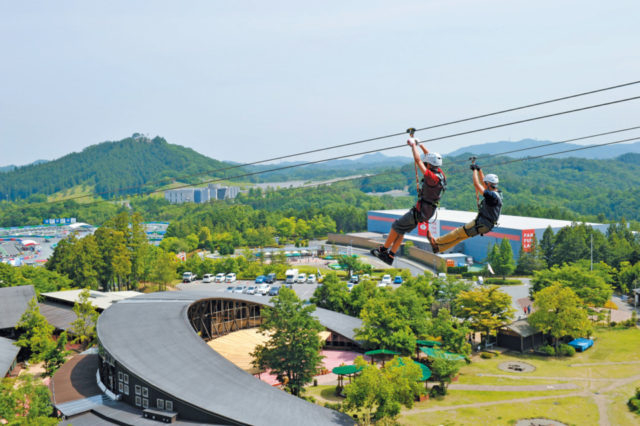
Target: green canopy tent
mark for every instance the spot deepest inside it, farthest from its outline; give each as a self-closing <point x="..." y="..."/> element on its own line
<point x="345" y="370"/>
<point x="426" y="371"/>
<point x="428" y="343"/>
<point x="439" y="353"/>
<point x="382" y="354"/>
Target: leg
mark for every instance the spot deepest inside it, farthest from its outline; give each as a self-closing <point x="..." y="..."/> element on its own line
<point x="456" y="236"/>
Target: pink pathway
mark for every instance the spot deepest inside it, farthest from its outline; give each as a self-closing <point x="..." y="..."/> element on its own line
<point x="331" y="359"/>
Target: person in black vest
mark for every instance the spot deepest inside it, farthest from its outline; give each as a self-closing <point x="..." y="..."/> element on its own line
<point x="433" y="184"/>
<point x="488" y="212"/>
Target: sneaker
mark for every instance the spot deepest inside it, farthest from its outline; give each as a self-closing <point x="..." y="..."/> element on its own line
<point x="388" y="258"/>
<point x="379" y="252"/>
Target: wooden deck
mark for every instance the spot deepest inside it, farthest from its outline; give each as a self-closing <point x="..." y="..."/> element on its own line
<point x="76" y="379"/>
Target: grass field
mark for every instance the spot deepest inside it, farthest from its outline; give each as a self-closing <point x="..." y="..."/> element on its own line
<point x="605" y="377"/>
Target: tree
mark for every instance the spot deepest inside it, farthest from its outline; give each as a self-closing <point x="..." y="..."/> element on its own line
<point x="25" y="402"/>
<point x="501" y="258"/>
<point x="56" y="355"/>
<point x="352" y="264"/>
<point x="547" y="245"/>
<point x="35" y="331"/>
<point x="292" y="352"/>
<point x="84" y="326"/>
<point x="386" y="390"/>
<point x="559" y="312"/>
<point x="530" y="261"/>
<point x="445" y="369"/>
<point x="486" y="308"/>
<point x="164" y="271"/>
<point x="451" y="331"/>
<point x="589" y="285"/>
<point x="332" y="295"/>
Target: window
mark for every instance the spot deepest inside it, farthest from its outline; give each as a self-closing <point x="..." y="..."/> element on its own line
<point x="138" y="401"/>
<point x="145" y="392"/>
<point x="160" y="404"/>
<point x="120" y="375"/>
<point x="168" y="405"/>
<point x="145" y="403"/>
<point x="126" y="378"/>
<point x="120" y="387"/>
<point x="126" y="389"/>
<point x="138" y="390"/>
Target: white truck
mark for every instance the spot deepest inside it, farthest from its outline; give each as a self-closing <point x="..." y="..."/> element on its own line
<point x="292" y="276"/>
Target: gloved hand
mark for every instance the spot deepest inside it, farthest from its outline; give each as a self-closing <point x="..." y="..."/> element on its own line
<point x="474" y="167"/>
<point x="413" y="141"/>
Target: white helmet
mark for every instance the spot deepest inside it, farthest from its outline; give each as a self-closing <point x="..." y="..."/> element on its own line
<point x="432" y="158"/>
<point x="491" y="178"/>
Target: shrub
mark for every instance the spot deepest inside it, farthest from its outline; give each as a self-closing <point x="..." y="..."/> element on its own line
<point x="485" y="355"/>
<point x="457" y="269"/>
<point x="333" y="406"/>
<point x="566" y="350"/>
<point x="547" y="350"/>
<point x="500" y="281"/>
<point x="613" y="324"/>
<point x="634" y="402"/>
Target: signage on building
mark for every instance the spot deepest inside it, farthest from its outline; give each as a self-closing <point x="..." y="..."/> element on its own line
<point x="434" y="228"/>
<point x="527" y="239"/>
<point x="59" y="221"/>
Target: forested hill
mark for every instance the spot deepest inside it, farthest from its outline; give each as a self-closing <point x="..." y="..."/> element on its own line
<point x="128" y="166"/>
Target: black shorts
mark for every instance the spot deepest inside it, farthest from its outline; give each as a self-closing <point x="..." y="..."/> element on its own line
<point x="409" y="221"/>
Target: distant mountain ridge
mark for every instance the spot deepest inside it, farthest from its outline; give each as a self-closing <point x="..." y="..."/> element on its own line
<point x="609" y="151"/>
<point x="12" y="167"/>
<point x="128" y="166"/>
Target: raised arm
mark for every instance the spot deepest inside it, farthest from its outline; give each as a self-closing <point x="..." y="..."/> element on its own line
<point x="477" y="181"/>
<point x="416" y="155"/>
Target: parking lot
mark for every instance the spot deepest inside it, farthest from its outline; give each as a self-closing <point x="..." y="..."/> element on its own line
<point x="304" y="291"/>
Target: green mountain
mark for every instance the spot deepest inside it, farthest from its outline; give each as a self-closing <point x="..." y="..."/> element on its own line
<point x="132" y="165"/>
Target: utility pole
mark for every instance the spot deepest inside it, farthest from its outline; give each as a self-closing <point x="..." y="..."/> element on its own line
<point x="592" y="251"/>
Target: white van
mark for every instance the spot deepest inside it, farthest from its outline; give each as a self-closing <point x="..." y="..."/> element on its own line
<point x="302" y="278"/>
<point x="231" y="277"/>
<point x="219" y="278"/>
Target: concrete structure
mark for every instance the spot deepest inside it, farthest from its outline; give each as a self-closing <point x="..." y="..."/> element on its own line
<point x="152" y="355"/>
<point x="201" y="195"/>
<point x="519" y="230"/>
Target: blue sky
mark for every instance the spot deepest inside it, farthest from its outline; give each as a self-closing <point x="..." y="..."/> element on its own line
<point x="250" y="80"/>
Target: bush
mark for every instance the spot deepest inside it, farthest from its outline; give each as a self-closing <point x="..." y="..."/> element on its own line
<point x="500" y="281"/>
<point x="566" y="350"/>
<point x="547" y="350"/>
<point x="613" y="324"/>
<point x="333" y="406"/>
<point x="436" y="391"/>
<point x="457" y="269"/>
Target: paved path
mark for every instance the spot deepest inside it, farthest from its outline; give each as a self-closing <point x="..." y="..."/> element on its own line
<point x="508" y="388"/>
<point x="591" y="364"/>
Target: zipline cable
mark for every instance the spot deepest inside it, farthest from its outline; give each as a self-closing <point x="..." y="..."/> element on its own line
<point x="511" y="123"/>
<point x="448" y="123"/>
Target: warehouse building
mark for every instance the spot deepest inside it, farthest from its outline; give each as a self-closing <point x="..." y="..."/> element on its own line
<point x="519" y="230"/>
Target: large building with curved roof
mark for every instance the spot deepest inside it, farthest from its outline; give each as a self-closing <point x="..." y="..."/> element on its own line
<point x="153" y="355"/>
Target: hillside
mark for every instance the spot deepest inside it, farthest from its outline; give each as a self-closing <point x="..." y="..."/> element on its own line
<point x="12" y="167"/>
<point x="128" y="166"/>
<point x="611" y="151"/>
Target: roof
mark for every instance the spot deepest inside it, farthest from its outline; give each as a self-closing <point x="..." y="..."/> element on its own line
<point x="58" y="315"/>
<point x="522" y="328"/>
<point x="429" y="343"/>
<point x="8" y="354"/>
<point x="9" y="249"/>
<point x="14" y="301"/>
<point x="381" y="352"/>
<point x="165" y="351"/>
<point x="101" y="300"/>
<point x="506" y="221"/>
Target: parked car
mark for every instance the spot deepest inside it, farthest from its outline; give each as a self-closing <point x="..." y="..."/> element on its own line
<point x="219" y="278"/>
<point x="251" y="290"/>
<point x="382" y="284"/>
<point x="442" y="276"/>
<point x="302" y="278"/>
<point x="230" y="278"/>
<point x="274" y="291"/>
<point x="311" y="279"/>
<point x="260" y="279"/>
<point x="229" y="289"/>
<point x="398" y="280"/>
<point x="350" y="286"/>
<point x="208" y="278"/>
<point x="239" y="289"/>
<point x="354" y="279"/>
<point x="386" y="279"/>
<point x="263" y="289"/>
<point x="188" y="277"/>
<point x="270" y="278"/>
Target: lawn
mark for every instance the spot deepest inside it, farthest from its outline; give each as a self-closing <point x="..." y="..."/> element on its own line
<point x="569" y="410"/>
